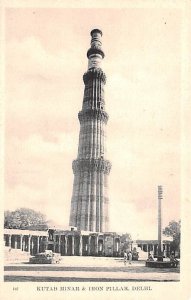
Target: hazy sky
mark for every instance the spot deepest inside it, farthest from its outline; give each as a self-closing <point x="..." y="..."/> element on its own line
<point x="45" y="61"/>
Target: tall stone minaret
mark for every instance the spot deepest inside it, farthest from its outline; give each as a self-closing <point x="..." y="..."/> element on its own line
<point x="90" y="202"/>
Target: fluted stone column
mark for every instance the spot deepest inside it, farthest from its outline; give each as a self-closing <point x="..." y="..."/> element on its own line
<point x="59" y="244"/>
<point x="24" y="243"/>
<point x="32" y="245"/>
<point x="9" y="241"/>
<point x="72" y="245"/>
<point x="80" y="246"/>
<point x="21" y="242"/>
<point x="66" y="245"/>
<point x="89" y="203"/>
<point x="96" y="244"/>
<point x="16" y="241"/>
<point x="104" y="244"/>
<point x="89" y="245"/>
<point x="38" y="243"/>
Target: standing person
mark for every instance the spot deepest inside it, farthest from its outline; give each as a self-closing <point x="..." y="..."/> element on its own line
<point x="150" y="257"/>
<point x="125" y="258"/>
<point x="130" y="256"/>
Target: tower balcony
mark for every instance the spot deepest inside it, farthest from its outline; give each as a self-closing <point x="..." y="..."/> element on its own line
<point x="93" y="165"/>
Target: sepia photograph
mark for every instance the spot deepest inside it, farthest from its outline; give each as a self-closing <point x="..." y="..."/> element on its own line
<point x="92" y="148"/>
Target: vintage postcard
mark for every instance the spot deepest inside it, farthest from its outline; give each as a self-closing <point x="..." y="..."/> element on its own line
<point x="95" y="149"/>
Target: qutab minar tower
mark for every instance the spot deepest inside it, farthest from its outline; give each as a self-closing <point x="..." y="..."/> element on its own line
<point x="90" y="202"/>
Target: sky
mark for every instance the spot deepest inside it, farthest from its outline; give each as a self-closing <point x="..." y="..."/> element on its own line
<point x="45" y="59"/>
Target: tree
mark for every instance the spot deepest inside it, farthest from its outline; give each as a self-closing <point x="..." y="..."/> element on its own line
<point x="25" y="218"/>
<point x="174" y="230"/>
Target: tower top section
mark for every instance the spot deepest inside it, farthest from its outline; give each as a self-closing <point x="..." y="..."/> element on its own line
<point x="95" y="54"/>
<point x="94" y="31"/>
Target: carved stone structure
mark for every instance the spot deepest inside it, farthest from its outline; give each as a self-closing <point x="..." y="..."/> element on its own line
<point x="29" y="241"/>
<point x="89" y="204"/>
<point x="73" y="242"/>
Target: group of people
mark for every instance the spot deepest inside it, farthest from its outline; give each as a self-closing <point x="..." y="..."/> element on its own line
<point x="128" y="256"/>
<point x="150" y="257"/>
<point x="172" y="257"/>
